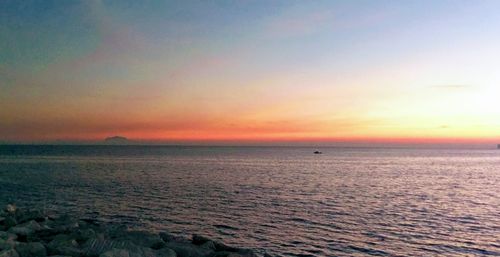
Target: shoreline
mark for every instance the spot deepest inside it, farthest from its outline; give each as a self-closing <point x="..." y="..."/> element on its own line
<point x="34" y="233"/>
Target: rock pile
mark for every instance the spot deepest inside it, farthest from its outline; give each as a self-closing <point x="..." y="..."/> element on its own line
<point x="30" y="233"/>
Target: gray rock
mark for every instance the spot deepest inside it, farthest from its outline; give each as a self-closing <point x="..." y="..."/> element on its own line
<point x="31" y="250"/>
<point x="9" y="253"/>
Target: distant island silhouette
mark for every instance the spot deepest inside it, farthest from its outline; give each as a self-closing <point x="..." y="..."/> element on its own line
<point x="117" y="140"/>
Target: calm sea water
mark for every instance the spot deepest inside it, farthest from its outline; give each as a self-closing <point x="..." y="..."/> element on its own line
<point x="345" y="202"/>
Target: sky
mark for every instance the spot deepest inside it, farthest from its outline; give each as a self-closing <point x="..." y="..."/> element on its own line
<point x="250" y="71"/>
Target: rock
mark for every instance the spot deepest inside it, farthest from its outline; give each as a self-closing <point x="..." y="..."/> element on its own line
<point x="6" y="245"/>
<point x="11" y="209"/>
<point x="9" y="222"/>
<point x="23" y="216"/>
<point x="63" y="224"/>
<point x="26" y="229"/>
<point x="31" y="250"/>
<point x="64" y="245"/>
<point x="9" y="253"/>
<point x="83" y="235"/>
<point x="144" y="239"/>
<point x="166" y="252"/>
<point x="115" y="253"/>
<point x="188" y="249"/>
<point x="7" y="236"/>
<point x="199" y="239"/>
<point x="115" y="231"/>
<point x="99" y="245"/>
<point x="207" y="242"/>
<point x="167" y="237"/>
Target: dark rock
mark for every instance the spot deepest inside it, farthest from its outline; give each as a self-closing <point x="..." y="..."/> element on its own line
<point x="218" y="246"/>
<point x="35" y="215"/>
<point x="166" y="252"/>
<point x="26" y="229"/>
<point x="63" y="224"/>
<point x="188" y="249"/>
<point x="9" y="253"/>
<point x="9" y="222"/>
<point x="7" y="244"/>
<point x="209" y="245"/>
<point x="116" y="231"/>
<point x="31" y="250"/>
<point x="144" y="239"/>
<point x="7" y="236"/>
<point x="115" y="253"/>
<point x="83" y="235"/>
<point x="169" y="237"/>
<point x="99" y="245"/>
<point x="64" y="245"/>
<point x="199" y="239"/>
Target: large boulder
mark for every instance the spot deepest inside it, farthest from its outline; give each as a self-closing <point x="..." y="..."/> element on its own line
<point x="31" y="250"/>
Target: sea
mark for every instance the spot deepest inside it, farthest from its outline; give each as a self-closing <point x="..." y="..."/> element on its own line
<point x="284" y="200"/>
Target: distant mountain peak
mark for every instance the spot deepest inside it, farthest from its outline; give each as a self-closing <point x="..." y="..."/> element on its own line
<point x="116" y="140"/>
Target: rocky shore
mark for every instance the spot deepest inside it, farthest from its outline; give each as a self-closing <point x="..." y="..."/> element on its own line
<point x="30" y="233"/>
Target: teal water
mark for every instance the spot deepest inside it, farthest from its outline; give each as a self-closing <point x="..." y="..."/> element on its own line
<point x="344" y="202"/>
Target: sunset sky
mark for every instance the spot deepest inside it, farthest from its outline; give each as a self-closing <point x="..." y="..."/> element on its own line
<point x="339" y="71"/>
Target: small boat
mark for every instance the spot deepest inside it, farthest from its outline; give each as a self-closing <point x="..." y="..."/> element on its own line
<point x="317" y="152"/>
